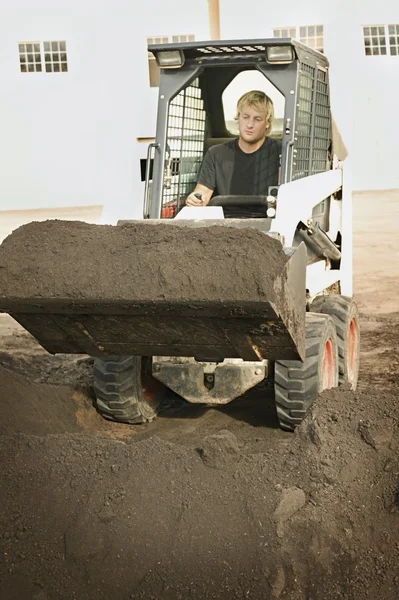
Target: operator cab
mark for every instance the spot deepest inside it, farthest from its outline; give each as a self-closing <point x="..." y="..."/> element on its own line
<point x="199" y="88"/>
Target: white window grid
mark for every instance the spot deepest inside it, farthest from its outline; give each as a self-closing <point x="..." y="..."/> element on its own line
<point x="375" y="40"/>
<point x="393" y="32"/>
<point x="180" y="39"/>
<point x="381" y="40"/>
<point x="168" y="39"/>
<point x="38" y="57"/>
<point x="30" y="58"/>
<point x="311" y="35"/>
<point x="55" y="57"/>
<point x="284" y="32"/>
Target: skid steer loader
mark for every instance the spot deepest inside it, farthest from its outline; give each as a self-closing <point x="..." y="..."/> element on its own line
<point x="211" y="350"/>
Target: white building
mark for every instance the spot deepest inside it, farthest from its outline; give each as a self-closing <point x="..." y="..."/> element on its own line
<point x="70" y="138"/>
<point x="77" y="110"/>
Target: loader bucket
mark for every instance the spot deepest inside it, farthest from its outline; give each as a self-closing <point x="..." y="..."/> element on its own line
<point x="155" y="288"/>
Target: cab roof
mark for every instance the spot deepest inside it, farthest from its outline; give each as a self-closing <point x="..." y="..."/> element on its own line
<point x="235" y="49"/>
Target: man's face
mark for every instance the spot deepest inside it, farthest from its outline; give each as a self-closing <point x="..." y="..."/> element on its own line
<point x="251" y="124"/>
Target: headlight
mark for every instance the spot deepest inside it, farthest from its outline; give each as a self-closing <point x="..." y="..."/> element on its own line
<point x="280" y="54"/>
<point x="170" y="59"/>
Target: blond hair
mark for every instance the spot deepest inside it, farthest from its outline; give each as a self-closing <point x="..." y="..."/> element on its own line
<point x="259" y="101"/>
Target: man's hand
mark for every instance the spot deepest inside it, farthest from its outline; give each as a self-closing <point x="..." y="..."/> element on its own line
<point x="195" y="200"/>
<point x="200" y="196"/>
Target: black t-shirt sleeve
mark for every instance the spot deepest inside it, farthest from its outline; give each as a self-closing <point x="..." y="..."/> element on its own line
<point x="207" y="172"/>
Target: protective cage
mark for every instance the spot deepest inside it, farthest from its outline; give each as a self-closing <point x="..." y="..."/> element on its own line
<point x="191" y="114"/>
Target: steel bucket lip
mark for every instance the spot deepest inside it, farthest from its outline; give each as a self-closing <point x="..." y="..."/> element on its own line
<point x="191" y="307"/>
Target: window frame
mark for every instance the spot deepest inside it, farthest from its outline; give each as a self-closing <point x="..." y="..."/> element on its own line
<point x="304" y="39"/>
<point x="282" y="30"/>
<point x="57" y="66"/>
<point x="390" y="49"/>
<point x="54" y="52"/>
<point x="25" y="54"/>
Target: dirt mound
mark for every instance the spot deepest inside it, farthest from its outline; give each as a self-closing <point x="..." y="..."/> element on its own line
<point x="312" y="516"/>
<point x="33" y="408"/>
<point x="20" y="352"/>
<point x="38" y="409"/>
<point x="40" y="260"/>
<point x="67" y="370"/>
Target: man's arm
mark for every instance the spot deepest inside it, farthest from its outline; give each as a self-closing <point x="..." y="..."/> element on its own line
<point x="206" y="182"/>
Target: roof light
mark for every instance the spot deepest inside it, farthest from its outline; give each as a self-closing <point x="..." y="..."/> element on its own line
<point x="170" y="59"/>
<point x="280" y="54"/>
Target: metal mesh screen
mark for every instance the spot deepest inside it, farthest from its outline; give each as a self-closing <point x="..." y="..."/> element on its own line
<point x="301" y="162"/>
<point x="185" y="139"/>
<point x="321" y="135"/>
<point x="312" y="123"/>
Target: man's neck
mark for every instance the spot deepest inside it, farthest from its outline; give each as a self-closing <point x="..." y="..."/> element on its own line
<point x="248" y="147"/>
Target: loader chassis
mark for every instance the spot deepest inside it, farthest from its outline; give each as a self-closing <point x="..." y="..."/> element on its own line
<point x="210" y="350"/>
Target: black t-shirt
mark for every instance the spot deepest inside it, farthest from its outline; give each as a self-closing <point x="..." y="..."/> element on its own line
<point x="227" y="170"/>
<point x="243" y="178"/>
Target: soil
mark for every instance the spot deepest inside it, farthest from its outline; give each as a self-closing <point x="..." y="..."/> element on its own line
<point x="207" y="503"/>
<point x="41" y="260"/>
<point x="84" y="517"/>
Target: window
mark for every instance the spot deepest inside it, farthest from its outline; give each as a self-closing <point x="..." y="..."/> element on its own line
<point x="55" y="57"/>
<point x="185" y="138"/>
<point x="393" y="31"/>
<point x="375" y="43"/>
<point x="284" y="32"/>
<point x="311" y="35"/>
<point x="252" y="80"/>
<point x="33" y="55"/>
<point x="30" y="59"/>
<point x="153" y="69"/>
<point x="381" y="40"/>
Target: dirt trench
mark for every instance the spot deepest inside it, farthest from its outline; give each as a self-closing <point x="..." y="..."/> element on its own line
<point x="205" y="503"/>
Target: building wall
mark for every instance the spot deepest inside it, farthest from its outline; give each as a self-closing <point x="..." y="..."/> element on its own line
<point x="71" y="139"/>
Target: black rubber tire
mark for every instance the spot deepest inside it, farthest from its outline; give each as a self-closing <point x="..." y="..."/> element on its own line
<point x="296" y="383"/>
<point x="345" y="314"/>
<point x="119" y="389"/>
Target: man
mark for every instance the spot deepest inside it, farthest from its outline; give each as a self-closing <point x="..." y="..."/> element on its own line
<point x="246" y="165"/>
